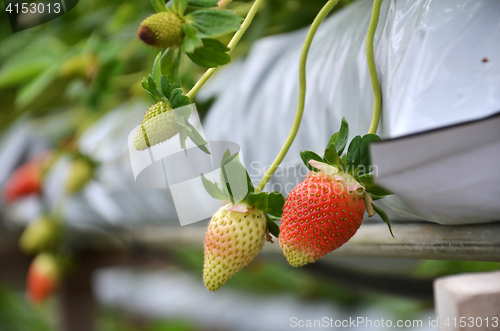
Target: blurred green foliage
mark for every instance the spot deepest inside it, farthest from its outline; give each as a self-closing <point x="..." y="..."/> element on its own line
<point x="89" y="60"/>
<point x="109" y="321"/>
<point x="435" y="268"/>
<point x="16" y="314"/>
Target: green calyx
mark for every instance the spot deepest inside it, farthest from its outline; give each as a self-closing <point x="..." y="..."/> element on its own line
<point x="237" y="188"/>
<point x="354" y="167"/>
<point x="170" y="115"/>
<point x="162" y="30"/>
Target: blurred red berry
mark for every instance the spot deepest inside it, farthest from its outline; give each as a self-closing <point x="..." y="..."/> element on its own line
<point x="43" y="277"/>
<point x="25" y="180"/>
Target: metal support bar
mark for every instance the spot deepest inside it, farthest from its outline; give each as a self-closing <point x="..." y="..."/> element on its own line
<point x="412" y="241"/>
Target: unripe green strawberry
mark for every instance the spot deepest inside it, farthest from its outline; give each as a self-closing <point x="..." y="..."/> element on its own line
<point x="233" y="239"/>
<point x="158" y="125"/>
<point x="80" y="173"/>
<point x="162" y="30"/>
<point x="319" y="216"/>
<point x="43" y="277"/>
<point x="81" y="65"/>
<point x="39" y="235"/>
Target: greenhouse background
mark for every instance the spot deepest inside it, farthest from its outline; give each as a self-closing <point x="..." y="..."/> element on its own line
<point x="70" y="89"/>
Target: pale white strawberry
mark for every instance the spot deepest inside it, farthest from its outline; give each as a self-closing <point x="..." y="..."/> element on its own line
<point x="233" y="239"/>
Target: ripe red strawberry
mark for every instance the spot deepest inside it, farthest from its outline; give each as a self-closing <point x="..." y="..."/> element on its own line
<point x="233" y="239"/>
<point x="25" y="180"/>
<point x="43" y="277"/>
<point x="319" y="216"/>
<point x="324" y="211"/>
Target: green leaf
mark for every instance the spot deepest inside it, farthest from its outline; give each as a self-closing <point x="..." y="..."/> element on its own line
<point x="183" y="122"/>
<point x="225" y="156"/>
<point x="235" y="178"/>
<point x="177" y="99"/>
<point x="13" y="74"/>
<point x="191" y="39"/>
<point x="214" y="22"/>
<point x="331" y="156"/>
<point x="365" y="162"/>
<point x="203" y="3"/>
<point x="212" y="54"/>
<point x="170" y="63"/>
<point x="183" y="111"/>
<point x="178" y="6"/>
<point x="258" y="200"/>
<point x="251" y="188"/>
<point x="333" y="138"/>
<point x="156" y="74"/>
<point x="341" y="137"/>
<point x="152" y="85"/>
<point x="376" y="197"/>
<point x="213" y="189"/>
<point x="275" y="204"/>
<point x="197" y="139"/>
<point x="150" y="91"/>
<point x="384" y="217"/>
<point x="367" y="181"/>
<point x="182" y="139"/>
<point x="34" y="89"/>
<point x="166" y="87"/>
<point x="308" y="155"/>
<point x="273" y="228"/>
<point x="354" y="154"/>
<point x="159" y="5"/>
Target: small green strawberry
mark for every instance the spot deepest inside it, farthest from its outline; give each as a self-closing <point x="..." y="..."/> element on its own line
<point x="325" y="210"/>
<point x="238" y="230"/>
<point x="233" y="239"/>
<point x="162" y="30"/>
<point x="39" y="235"/>
<point x="158" y="125"/>
<point x="80" y="173"/>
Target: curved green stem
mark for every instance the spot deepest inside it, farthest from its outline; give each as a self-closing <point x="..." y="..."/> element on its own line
<point x="232" y="44"/>
<point x="302" y="93"/>
<point x="377" y="94"/>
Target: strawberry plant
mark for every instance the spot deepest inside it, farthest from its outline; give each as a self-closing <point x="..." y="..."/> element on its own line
<point x="321" y="213"/>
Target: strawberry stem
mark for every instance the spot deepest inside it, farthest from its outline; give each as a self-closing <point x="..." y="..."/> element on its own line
<point x="232" y="44"/>
<point x="302" y="93"/>
<point x="224" y="3"/>
<point x="377" y="94"/>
